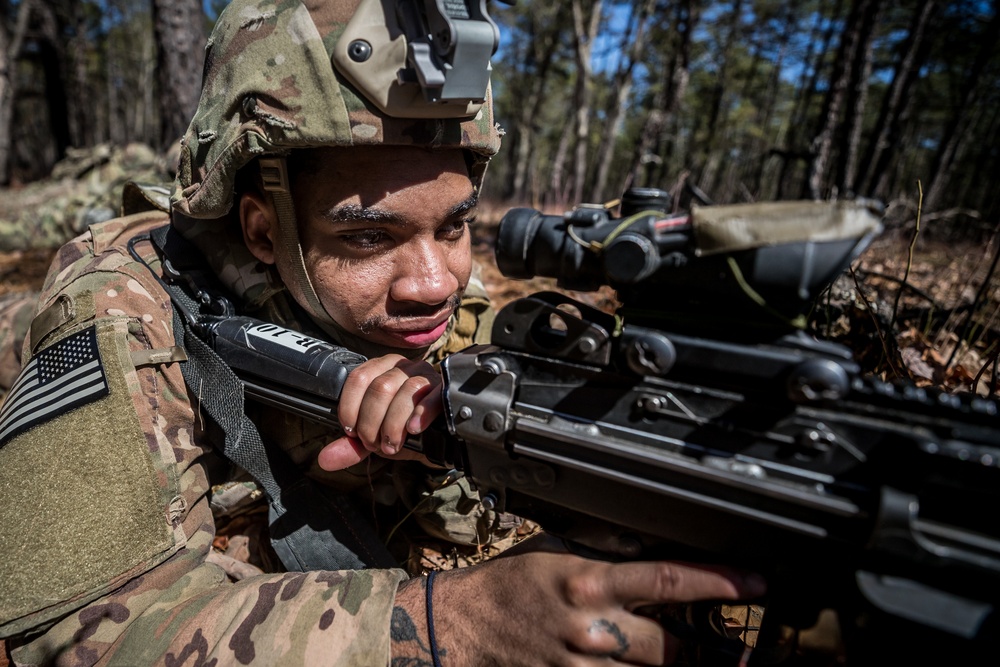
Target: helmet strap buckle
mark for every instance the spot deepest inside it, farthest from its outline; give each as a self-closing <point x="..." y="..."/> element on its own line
<point x="274" y="174"/>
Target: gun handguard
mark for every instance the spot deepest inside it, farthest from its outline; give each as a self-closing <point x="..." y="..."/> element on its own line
<point x="281" y="367"/>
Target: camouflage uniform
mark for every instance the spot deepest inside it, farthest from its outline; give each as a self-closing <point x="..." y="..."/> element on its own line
<point x="16" y="312"/>
<point x="106" y="524"/>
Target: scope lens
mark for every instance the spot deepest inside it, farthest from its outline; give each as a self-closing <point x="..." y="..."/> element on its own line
<point x="530" y="243"/>
<point x="517" y="232"/>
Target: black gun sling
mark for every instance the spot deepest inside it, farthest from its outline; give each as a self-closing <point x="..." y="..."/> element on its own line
<point x="312" y="527"/>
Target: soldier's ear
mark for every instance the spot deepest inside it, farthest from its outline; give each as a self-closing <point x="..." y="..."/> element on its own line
<point x="260" y="223"/>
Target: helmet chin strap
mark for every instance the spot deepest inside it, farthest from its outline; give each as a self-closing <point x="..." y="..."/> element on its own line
<point x="274" y="174"/>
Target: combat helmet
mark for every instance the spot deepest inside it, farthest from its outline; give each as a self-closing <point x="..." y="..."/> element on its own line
<point x="282" y="75"/>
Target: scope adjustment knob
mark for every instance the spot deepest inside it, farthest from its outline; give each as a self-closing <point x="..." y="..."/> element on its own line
<point x="631" y="258"/>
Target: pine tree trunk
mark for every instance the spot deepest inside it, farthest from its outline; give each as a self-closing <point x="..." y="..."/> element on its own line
<point x="584" y="32"/>
<point x="886" y="133"/>
<point x="10" y="50"/>
<point x="651" y="156"/>
<point x="709" y="171"/>
<point x="522" y="176"/>
<point x="82" y="120"/>
<point x="830" y="120"/>
<point x="557" y="194"/>
<point x="180" y="38"/>
<point x="944" y="163"/>
<point x="857" y="98"/>
<point x="633" y="42"/>
<point x="807" y="90"/>
<point x="51" y="54"/>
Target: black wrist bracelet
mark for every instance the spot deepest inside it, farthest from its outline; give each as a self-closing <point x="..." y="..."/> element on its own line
<point x="430" y="618"/>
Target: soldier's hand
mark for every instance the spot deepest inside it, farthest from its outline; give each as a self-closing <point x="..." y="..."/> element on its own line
<point x="555" y="609"/>
<point x="384" y="400"/>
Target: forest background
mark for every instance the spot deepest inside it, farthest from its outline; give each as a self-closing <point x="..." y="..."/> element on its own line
<point x="729" y="101"/>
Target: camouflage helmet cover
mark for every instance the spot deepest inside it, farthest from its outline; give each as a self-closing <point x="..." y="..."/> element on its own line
<point x="270" y="86"/>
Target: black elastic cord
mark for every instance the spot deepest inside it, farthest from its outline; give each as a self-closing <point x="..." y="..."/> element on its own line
<point x="430" y="618"/>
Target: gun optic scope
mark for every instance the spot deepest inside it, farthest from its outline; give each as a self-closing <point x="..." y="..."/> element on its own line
<point x="734" y="261"/>
<point x="586" y="248"/>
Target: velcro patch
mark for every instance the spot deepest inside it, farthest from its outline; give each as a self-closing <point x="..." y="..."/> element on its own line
<point x="65" y="376"/>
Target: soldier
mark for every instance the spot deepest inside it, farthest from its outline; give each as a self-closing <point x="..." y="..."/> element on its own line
<point x="323" y="198"/>
<point x="85" y="188"/>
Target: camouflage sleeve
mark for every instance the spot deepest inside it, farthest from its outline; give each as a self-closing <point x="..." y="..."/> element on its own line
<point x="105" y="525"/>
<point x="335" y="618"/>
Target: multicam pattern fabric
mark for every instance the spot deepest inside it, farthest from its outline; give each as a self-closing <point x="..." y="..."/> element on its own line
<point x="174" y="605"/>
<point x="16" y="312"/>
<point x="270" y="87"/>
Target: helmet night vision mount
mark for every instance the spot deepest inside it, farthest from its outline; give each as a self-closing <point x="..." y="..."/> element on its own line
<point x="420" y="58"/>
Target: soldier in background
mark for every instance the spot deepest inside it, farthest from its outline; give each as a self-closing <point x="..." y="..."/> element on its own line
<point x="85" y="188"/>
<point x="328" y="207"/>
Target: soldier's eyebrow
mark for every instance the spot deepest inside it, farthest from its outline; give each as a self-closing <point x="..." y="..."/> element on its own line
<point x="348" y="213"/>
<point x="464" y="206"/>
<point x="353" y="213"/>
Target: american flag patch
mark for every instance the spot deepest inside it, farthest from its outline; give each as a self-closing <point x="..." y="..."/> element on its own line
<point x="59" y="379"/>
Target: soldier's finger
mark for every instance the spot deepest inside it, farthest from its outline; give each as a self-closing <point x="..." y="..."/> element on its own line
<point x="342" y="453"/>
<point x="639" y="584"/>
<point x="355" y="391"/>
<point x="409" y="396"/>
<point x="389" y="401"/>
<point x="427" y="410"/>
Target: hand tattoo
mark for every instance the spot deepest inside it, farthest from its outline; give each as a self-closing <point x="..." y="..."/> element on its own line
<point x="403" y="629"/>
<point x="603" y="625"/>
<point x="406" y="638"/>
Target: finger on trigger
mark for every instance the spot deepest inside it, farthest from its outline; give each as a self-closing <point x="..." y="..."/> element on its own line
<point x="638" y="584"/>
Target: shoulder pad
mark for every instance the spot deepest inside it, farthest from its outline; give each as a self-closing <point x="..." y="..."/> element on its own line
<point x="74" y="458"/>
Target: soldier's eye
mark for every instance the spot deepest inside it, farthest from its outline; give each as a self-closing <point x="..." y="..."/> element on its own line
<point x="365" y="239"/>
<point x="454" y="230"/>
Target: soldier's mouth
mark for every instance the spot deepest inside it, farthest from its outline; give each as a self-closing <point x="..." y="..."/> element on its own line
<point x="418" y="334"/>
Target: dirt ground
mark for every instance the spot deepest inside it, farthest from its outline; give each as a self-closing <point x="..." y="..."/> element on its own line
<point x="23" y="270"/>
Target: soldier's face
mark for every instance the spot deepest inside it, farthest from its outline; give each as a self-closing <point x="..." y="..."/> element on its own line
<point x="385" y="239"/>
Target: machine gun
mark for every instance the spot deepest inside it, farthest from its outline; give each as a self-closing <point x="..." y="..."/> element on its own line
<point x="699" y="422"/>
